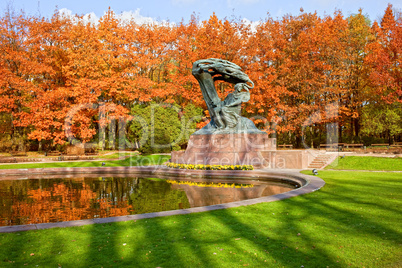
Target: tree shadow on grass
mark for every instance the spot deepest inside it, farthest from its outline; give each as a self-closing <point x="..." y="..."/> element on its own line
<point x="283" y="241"/>
<point x="34" y="248"/>
<point x="313" y="230"/>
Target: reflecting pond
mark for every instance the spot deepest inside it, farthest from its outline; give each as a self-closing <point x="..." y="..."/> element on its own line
<point x="56" y="199"/>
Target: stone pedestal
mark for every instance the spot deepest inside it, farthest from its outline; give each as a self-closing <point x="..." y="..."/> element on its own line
<point x="288" y="159"/>
<point x="226" y="149"/>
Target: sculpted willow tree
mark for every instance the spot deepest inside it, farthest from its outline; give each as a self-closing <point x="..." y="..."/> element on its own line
<point x="229" y="138"/>
<point x="225" y="115"/>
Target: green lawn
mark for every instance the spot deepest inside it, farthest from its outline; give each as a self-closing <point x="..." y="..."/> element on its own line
<point x="367" y="163"/>
<point x="354" y="221"/>
<point x="131" y="161"/>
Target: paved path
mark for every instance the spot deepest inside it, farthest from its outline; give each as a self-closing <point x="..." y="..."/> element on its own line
<point x="67" y="161"/>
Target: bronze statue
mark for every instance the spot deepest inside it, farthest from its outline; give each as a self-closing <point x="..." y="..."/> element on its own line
<point x="225" y="115"/>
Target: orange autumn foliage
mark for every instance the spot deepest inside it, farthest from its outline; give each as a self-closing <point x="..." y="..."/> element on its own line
<point x="56" y="73"/>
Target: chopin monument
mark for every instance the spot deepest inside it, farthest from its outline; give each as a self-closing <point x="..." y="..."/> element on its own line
<point x="225" y="115"/>
<point x="229" y="138"/>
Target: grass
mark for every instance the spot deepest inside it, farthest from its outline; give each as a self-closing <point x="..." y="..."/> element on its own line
<point x="131" y="161"/>
<point x="366" y="163"/>
<point x="354" y="221"/>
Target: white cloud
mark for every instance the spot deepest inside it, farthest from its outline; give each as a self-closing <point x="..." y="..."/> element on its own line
<point x="91" y="17"/>
<point x="88" y="18"/>
<point x="125" y="16"/>
<point x="136" y="16"/>
<point x="64" y="12"/>
<point x="253" y="24"/>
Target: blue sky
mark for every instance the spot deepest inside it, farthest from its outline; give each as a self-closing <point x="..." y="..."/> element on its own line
<point x="176" y="10"/>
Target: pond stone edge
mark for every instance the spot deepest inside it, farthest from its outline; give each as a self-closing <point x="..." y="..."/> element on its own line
<point x="307" y="184"/>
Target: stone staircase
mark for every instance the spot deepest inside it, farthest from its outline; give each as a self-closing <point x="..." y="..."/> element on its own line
<point x="322" y="160"/>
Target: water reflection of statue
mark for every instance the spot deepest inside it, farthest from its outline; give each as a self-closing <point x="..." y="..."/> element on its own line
<point x="225" y="115"/>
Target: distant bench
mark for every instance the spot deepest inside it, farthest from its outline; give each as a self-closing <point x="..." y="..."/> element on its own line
<point x="380" y="145"/>
<point x="18" y="153"/>
<point x="333" y="146"/>
<point x="354" y="145"/>
<point x="53" y="153"/>
<point x="396" y="146"/>
<point x="285" y="146"/>
<point x="329" y="146"/>
<point x="92" y="152"/>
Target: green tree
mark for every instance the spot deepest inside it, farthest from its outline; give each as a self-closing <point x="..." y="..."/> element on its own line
<point x="383" y="120"/>
<point x="160" y="128"/>
<point x="358" y="36"/>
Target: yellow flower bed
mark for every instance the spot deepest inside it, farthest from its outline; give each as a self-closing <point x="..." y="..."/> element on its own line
<point x="210" y="167"/>
<point x="211" y="184"/>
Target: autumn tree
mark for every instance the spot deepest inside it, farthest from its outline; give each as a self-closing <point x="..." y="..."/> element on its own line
<point x="384" y="58"/>
<point x="356" y="82"/>
<point x="17" y="66"/>
<point x="67" y="79"/>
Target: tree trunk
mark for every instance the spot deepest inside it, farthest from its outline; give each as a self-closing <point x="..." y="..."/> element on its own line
<point x="122" y="134"/>
<point x="351" y="128"/>
<point x="311" y="137"/>
<point x="389" y="137"/>
<point x="112" y="134"/>
<point x="357" y="127"/>
<point x="102" y="127"/>
<point x="298" y="139"/>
